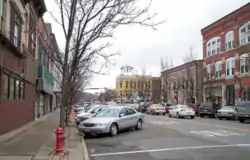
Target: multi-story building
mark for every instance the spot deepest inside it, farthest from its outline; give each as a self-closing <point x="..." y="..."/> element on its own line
<point x="156" y="88"/>
<point x="226" y="49"/>
<point x="132" y="86"/>
<point x="183" y="84"/>
<point x="45" y="79"/>
<point x="18" y="21"/>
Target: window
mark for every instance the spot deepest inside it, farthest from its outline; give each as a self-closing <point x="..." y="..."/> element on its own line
<point x="131" y="84"/>
<point x="130" y="111"/>
<point x="17" y="89"/>
<point x="229" y="40"/>
<point x="32" y="34"/>
<point x="209" y="71"/>
<point x="12" y="88"/>
<point x="244" y="34"/>
<point x="213" y="46"/>
<point x="126" y="84"/>
<point x="5" y="83"/>
<point x="218" y="69"/>
<point x="230" y="66"/>
<point x="15" y="23"/>
<point x="244" y="63"/>
<point x="120" y="84"/>
<point x="134" y="84"/>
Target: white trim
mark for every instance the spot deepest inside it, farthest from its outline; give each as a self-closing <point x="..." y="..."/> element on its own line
<point x="244" y="62"/>
<point x="244" y="36"/>
<point x="213" y="46"/>
<point x="169" y="149"/>
<point x="229" y="40"/>
<point x="230" y="64"/>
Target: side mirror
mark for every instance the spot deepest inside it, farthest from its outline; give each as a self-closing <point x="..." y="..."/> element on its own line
<point x="121" y="115"/>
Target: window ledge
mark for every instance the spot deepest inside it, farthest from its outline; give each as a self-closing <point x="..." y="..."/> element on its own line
<point x="229" y="77"/>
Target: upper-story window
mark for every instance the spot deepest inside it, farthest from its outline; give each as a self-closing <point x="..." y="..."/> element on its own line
<point x="126" y="84"/>
<point x="244" y="34"/>
<point x="218" y="69"/>
<point x="244" y="63"/>
<point x="229" y="40"/>
<point x="213" y="46"/>
<point x="209" y="71"/>
<point x="15" y="25"/>
<point x="120" y="84"/>
<point x="230" y="66"/>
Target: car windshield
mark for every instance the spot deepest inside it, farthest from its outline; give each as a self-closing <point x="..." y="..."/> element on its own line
<point x="157" y="106"/>
<point x="90" y="109"/>
<point x="108" y="112"/>
<point x="184" y="106"/>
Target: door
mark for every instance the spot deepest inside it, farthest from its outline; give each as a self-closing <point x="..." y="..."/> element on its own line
<point x="123" y="119"/>
<point x="132" y="117"/>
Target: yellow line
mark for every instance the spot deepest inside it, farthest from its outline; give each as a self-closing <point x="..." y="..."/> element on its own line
<point x="220" y="126"/>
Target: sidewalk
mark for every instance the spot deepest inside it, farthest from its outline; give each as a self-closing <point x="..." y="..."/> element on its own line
<point x="24" y="142"/>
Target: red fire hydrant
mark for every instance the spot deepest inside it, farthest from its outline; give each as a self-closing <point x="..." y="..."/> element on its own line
<point x="60" y="137"/>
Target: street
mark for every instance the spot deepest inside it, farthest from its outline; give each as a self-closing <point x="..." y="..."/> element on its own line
<point x="164" y="138"/>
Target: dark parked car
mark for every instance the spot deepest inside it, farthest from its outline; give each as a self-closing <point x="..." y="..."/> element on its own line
<point x="243" y="111"/>
<point x="208" y="109"/>
<point x="143" y="106"/>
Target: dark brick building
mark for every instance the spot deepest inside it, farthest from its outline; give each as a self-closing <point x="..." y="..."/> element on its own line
<point x="226" y="49"/>
<point x="156" y="88"/>
<point x="17" y="61"/>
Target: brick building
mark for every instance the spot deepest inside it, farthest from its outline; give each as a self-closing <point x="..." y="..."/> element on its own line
<point x="226" y="49"/>
<point x="183" y="84"/>
<point x="156" y="88"/>
<point x="18" y="20"/>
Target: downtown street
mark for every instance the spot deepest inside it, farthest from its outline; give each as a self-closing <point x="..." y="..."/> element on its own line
<point x="164" y="138"/>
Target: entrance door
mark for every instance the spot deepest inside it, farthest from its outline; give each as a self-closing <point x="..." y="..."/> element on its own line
<point x="230" y="95"/>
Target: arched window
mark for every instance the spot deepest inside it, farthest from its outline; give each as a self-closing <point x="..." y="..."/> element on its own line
<point x="209" y="71"/>
<point x="213" y="46"/>
<point x="229" y="40"/>
<point x="230" y="66"/>
<point x="244" y="33"/>
<point x="244" y="63"/>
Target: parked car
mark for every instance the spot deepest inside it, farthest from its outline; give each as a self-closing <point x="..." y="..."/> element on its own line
<point x="88" y="113"/>
<point x="156" y="109"/>
<point x="208" y="109"/>
<point x="111" y="120"/>
<point x="143" y="106"/>
<point x="181" y="111"/>
<point x="228" y="112"/>
<point x="243" y="111"/>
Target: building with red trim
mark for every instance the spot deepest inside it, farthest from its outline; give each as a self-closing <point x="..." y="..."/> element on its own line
<point x="226" y="49"/>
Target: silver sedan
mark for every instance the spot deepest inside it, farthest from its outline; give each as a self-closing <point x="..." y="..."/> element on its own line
<point x="181" y="111"/>
<point x="228" y="112"/>
<point x="111" y="120"/>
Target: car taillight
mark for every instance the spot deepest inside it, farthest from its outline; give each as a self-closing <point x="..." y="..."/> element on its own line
<point x="182" y="110"/>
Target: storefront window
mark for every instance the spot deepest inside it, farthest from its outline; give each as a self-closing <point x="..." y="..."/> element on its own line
<point x="5" y="82"/>
<point x="21" y="90"/>
<point x="17" y="89"/>
<point x="12" y="88"/>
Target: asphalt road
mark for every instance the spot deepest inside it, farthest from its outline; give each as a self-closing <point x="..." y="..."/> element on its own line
<point x="164" y="138"/>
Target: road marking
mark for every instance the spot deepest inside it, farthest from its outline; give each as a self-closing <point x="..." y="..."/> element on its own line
<point x="169" y="149"/>
<point x="163" y="122"/>
<point x="219" y="133"/>
<point x="220" y="126"/>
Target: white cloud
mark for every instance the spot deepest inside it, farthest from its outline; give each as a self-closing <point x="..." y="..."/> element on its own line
<point x="143" y="47"/>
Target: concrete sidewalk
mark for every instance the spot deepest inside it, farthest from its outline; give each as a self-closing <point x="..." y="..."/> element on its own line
<point x="25" y="142"/>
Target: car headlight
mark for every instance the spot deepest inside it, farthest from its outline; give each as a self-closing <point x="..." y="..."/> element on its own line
<point x="102" y="125"/>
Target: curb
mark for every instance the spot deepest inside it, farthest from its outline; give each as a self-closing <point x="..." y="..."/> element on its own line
<point x="84" y="148"/>
<point x="12" y="134"/>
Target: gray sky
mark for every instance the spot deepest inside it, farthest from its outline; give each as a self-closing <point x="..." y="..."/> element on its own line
<point x="143" y="47"/>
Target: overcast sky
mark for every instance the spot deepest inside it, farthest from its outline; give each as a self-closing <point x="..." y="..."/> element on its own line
<point x="143" y="47"/>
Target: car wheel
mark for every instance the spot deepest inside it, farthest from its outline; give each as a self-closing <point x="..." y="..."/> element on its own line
<point x="169" y="115"/>
<point x="138" y="125"/>
<point x="219" y="118"/>
<point x="192" y="117"/>
<point x="201" y="115"/>
<point x="164" y="114"/>
<point x="242" y="120"/>
<point x="113" y="130"/>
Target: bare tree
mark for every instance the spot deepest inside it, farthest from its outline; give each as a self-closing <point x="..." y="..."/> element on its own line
<point x="188" y="76"/>
<point x="165" y="66"/>
<point x="87" y="26"/>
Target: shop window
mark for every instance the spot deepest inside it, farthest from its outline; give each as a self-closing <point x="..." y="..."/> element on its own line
<point x="17" y="89"/>
<point x="22" y="90"/>
<point x="11" y="88"/>
<point x="5" y="83"/>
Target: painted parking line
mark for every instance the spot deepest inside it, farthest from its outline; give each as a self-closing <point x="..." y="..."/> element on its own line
<point x="169" y="149"/>
<point x="163" y="122"/>
<point x="218" y="133"/>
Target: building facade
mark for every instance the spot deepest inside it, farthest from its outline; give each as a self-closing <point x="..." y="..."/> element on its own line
<point x="134" y="86"/>
<point x="226" y="49"/>
<point x="156" y="89"/>
<point x="18" y="62"/>
<point x="183" y="84"/>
